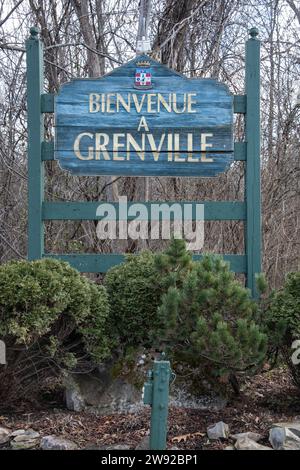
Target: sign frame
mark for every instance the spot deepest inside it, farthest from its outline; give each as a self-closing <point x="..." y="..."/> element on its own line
<point x="40" y="150"/>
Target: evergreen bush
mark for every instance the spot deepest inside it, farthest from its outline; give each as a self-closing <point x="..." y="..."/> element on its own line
<point x="51" y="319"/>
<point x="282" y="321"/>
<point x="134" y="295"/>
<point x="208" y="321"/>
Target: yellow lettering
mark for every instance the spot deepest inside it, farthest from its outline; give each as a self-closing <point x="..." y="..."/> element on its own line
<point x="94" y="104"/>
<point x="116" y="146"/>
<point x="191" y="157"/>
<point x="150" y="102"/>
<point x="175" y="104"/>
<point x="161" y="100"/>
<point x="155" y="151"/>
<point x="120" y="100"/>
<point x="204" y="146"/>
<point x="143" y="123"/>
<point x="138" y="106"/>
<point x="177" y="157"/>
<point x="76" y="147"/>
<point x="101" y="142"/>
<point x="140" y="150"/>
<point x="190" y="102"/>
<point x="170" y="147"/>
<point x="109" y="103"/>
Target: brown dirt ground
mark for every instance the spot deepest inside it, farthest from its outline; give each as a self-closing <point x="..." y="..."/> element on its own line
<point x="266" y="399"/>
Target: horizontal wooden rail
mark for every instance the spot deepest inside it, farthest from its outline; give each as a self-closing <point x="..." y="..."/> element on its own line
<point x="240" y="104"/>
<point x="213" y="210"/>
<point x="101" y="263"/>
<point x="47" y="103"/>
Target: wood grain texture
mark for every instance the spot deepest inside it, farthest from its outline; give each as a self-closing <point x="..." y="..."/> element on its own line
<point x="213" y="210"/>
<point x="101" y="263"/>
<point x="208" y="107"/>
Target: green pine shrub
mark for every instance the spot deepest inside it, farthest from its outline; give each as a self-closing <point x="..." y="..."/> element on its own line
<point x="282" y="321"/>
<point x="51" y="319"/>
<point x="208" y="322"/>
<point x="195" y="311"/>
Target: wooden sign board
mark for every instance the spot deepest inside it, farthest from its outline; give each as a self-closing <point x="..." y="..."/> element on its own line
<point x="144" y="119"/>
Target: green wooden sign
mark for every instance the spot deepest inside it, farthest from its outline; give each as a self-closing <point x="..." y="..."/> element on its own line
<point x="144" y="119"/>
<point x="247" y="151"/>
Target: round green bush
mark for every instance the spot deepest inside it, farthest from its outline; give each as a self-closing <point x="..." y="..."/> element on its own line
<point x="51" y="318"/>
<point x="282" y="320"/>
<point x="134" y="294"/>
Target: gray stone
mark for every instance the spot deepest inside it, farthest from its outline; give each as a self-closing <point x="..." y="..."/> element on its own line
<point x="144" y="444"/>
<point x="117" y="447"/>
<point x="28" y="444"/>
<point x="219" y="430"/>
<point x="18" y="432"/>
<point x="74" y="400"/>
<point x="245" y="443"/>
<point x="26" y="436"/>
<point x="57" y="443"/>
<point x="229" y="448"/>
<point x="25" y="439"/>
<point x="254" y="436"/>
<point x="4" y="435"/>
<point x="101" y="393"/>
<point x="293" y="426"/>
<point x="282" y="438"/>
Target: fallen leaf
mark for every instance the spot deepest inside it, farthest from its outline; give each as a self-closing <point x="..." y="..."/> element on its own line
<point x="185" y="437"/>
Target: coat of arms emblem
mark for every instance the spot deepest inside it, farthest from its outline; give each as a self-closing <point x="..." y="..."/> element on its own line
<point x="143" y="77"/>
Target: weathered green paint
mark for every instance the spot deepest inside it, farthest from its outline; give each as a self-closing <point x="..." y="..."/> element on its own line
<point x="47" y="103"/>
<point x="252" y="176"/>
<point x="101" y="263"/>
<point x="40" y="151"/>
<point x="240" y="151"/>
<point x="158" y="387"/>
<point x="35" y="78"/>
<point x="213" y="210"/>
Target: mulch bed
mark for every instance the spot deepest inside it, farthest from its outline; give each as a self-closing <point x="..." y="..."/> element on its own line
<point x="266" y="399"/>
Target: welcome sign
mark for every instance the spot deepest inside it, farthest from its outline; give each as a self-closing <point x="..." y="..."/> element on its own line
<point x="144" y="119"/>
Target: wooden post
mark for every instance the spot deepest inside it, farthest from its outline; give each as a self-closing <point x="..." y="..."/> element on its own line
<point x="35" y="78"/>
<point x="156" y="394"/>
<point x="252" y="177"/>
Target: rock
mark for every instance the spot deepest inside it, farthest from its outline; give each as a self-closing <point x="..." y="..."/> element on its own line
<point x="218" y="431"/>
<point x="74" y="400"/>
<point x="245" y="443"/>
<point x="26" y="435"/>
<point x="282" y="438"/>
<point x="57" y="443"/>
<point x="102" y="393"/>
<point x="108" y="447"/>
<point x="25" y="439"/>
<point x="144" y="444"/>
<point x="117" y="447"/>
<point x="254" y="436"/>
<point x="28" y="444"/>
<point x="293" y="426"/>
<point x="229" y="448"/>
<point x="4" y="435"/>
<point x="18" y="432"/>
